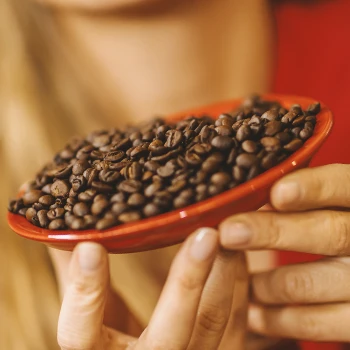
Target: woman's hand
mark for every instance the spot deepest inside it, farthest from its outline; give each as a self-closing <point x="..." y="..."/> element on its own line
<point x="304" y="301"/>
<point x="202" y="306"/>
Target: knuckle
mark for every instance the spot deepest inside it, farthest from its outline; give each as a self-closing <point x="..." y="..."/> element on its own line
<point x="309" y="328"/>
<point x="274" y="236"/>
<point x="339" y="234"/>
<point x="212" y="320"/>
<point x="297" y="287"/>
<point x="190" y="282"/>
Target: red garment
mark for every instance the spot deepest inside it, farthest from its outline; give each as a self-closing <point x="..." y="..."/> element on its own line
<point x="314" y="60"/>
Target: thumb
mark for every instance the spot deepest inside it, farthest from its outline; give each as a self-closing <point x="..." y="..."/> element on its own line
<point x="81" y="318"/>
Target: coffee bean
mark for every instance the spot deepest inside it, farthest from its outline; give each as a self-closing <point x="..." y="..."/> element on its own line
<point x="246" y="160"/>
<point x="269" y="161"/>
<point x="249" y="146"/>
<point x="271" y="144"/>
<point x="298" y="121"/>
<point x="98" y="206"/>
<point x="104" y="223"/>
<point x="136" y="200"/>
<point x="119" y="208"/>
<point x="188" y="193"/>
<point x="31" y="197"/>
<point x="157" y="147"/>
<point x="90" y="175"/>
<point x="220" y="179"/>
<point x="151" y="210"/>
<point x="31" y="215"/>
<point x="80" y="209"/>
<point x="130" y="186"/>
<point x="90" y="221"/>
<point x="101" y="187"/>
<point x="243" y="133"/>
<point x="198" y="178"/>
<point x="289" y="117"/>
<point x="46" y="200"/>
<point x="311" y="119"/>
<point x="305" y="134"/>
<point x="55" y="213"/>
<point x="77" y="224"/>
<point x="293" y="145"/>
<point x="152" y="189"/>
<point x="202" y="149"/>
<point x="314" y="108"/>
<point x="270" y="115"/>
<point x="213" y="162"/>
<point x="22" y="211"/>
<point x="68" y="219"/>
<point x="284" y="137"/>
<point x="100" y="140"/>
<point x="140" y="151"/>
<point x="222" y="143"/>
<point x="224" y="130"/>
<point x="115" y="156"/>
<point x="87" y="196"/>
<point x="108" y="176"/>
<point x="59" y="188"/>
<point x="118" y="197"/>
<point x="180" y="202"/>
<point x="272" y="128"/>
<point x="84" y="153"/>
<point x="193" y="158"/>
<point x="57" y="224"/>
<point x="43" y="219"/>
<point x="177" y="186"/>
<point x="124" y="144"/>
<point x="214" y="190"/>
<point x="78" y="183"/>
<point x="239" y="174"/>
<point x="165" y="171"/>
<point x="47" y="189"/>
<point x="296" y="131"/>
<point x="80" y="166"/>
<point x="129" y="217"/>
<point x="296" y="109"/>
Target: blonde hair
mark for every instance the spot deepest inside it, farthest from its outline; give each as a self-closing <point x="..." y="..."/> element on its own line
<point x="40" y="91"/>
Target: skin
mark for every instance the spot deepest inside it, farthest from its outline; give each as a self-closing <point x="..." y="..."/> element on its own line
<point x="304" y="301"/>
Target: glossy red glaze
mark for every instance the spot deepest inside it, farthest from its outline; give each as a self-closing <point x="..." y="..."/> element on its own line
<point x="173" y="227"/>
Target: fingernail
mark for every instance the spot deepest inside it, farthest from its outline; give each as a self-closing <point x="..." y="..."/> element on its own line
<point x="90" y="256"/>
<point x="287" y="193"/>
<point x="236" y="233"/>
<point x="204" y="244"/>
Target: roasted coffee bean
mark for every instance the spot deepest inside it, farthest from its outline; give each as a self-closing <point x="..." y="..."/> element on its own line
<point x="68" y="218"/>
<point x="246" y="160"/>
<point x="222" y="143"/>
<point x="80" y="166"/>
<point x="119" y="208"/>
<point x="84" y="153"/>
<point x="188" y="193"/>
<point x="151" y="210"/>
<point x="105" y="223"/>
<point x="220" y="179"/>
<point x="63" y="173"/>
<point x="90" y="221"/>
<point x="298" y="121"/>
<point x="289" y="117"/>
<point x="271" y="144"/>
<point x="311" y="119"/>
<point x="130" y="186"/>
<point x="177" y="186"/>
<point x="78" y="183"/>
<point x="249" y="146"/>
<point x="157" y="147"/>
<point x="43" y="219"/>
<point x="232" y="156"/>
<point x="213" y="162"/>
<point x="135" y="136"/>
<point x="72" y="193"/>
<point x="314" y="108"/>
<point x="60" y="188"/>
<point x="163" y="199"/>
<point x="152" y="166"/>
<point x="293" y="145"/>
<point x="129" y="217"/>
<point x="174" y="138"/>
<point x="272" y="128"/>
<point x="31" y="197"/>
<point x="56" y="213"/>
<point x="243" y="133"/>
<point x="193" y="158"/>
<point x="270" y="115"/>
<point x="38" y="206"/>
<point x="100" y="140"/>
<point x="122" y="145"/>
<point x="97" y="154"/>
<point x="77" y="224"/>
<point x="198" y="178"/>
<point x="305" y="134"/>
<point x="136" y="200"/>
<point x="108" y="176"/>
<point x="47" y="188"/>
<point x="165" y="171"/>
<point x="253" y="172"/>
<point x="269" y="161"/>
<point x="224" y="130"/>
<point x="31" y="215"/>
<point x="57" y="224"/>
<point x="284" y="137"/>
<point x="147" y="175"/>
<point x="202" y="148"/>
<point x="101" y="187"/>
<point x="86" y="196"/>
<point x="118" y="197"/>
<point x="81" y="209"/>
<point x="115" y="156"/>
<point x="180" y="202"/>
<point x="296" y="131"/>
<point x="22" y="211"/>
<point x="133" y="171"/>
<point x="152" y="189"/>
<point x="213" y="190"/>
<point x="90" y="175"/>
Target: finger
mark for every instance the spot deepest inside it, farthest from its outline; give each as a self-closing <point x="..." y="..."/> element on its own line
<point x="173" y="320"/>
<point x="323" y="232"/>
<point x="215" y="304"/>
<point x="315" y="323"/>
<point x="81" y="315"/>
<point x="324" y="281"/>
<point x="235" y="333"/>
<point x="322" y="187"/>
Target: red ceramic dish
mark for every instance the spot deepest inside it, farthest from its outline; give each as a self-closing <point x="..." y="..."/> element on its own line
<point x="173" y="227"/>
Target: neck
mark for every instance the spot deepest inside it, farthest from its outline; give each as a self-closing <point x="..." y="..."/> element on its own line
<point x="160" y="62"/>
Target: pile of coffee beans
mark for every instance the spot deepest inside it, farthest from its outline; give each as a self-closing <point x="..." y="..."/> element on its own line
<point x="119" y="176"/>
